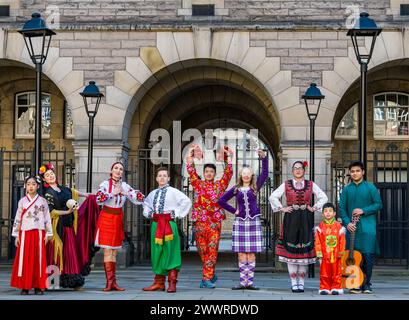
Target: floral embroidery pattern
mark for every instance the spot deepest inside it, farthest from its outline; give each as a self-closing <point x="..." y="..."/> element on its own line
<point x="101" y="196"/>
<point x="140" y="196"/>
<point x="162" y="198"/>
<point x="207" y="243"/>
<point x="207" y="194"/>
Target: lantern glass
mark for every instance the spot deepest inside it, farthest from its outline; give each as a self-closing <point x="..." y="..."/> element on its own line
<point x="92" y="98"/>
<point x="37" y="38"/>
<point x="364" y="29"/>
<point x="313" y="99"/>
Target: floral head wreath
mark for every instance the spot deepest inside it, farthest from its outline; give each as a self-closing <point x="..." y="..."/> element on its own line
<point x="44" y="168"/>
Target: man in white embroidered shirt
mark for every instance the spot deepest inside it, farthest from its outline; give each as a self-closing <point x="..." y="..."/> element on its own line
<point x="164" y="205"/>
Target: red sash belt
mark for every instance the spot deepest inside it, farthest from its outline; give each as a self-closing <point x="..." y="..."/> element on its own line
<point x="112" y="210"/>
<point x="163" y="229"/>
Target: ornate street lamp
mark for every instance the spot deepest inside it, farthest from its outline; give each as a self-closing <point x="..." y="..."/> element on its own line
<point x="92" y="98"/>
<point x="312" y="98"/>
<point x="365" y="30"/>
<point x="37" y="38"/>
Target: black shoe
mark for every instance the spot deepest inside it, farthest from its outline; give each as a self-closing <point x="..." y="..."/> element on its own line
<point x="239" y="287"/>
<point x="294" y="289"/>
<point x="300" y="289"/>
<point x="355" y="291"/>
<point x="324" y="292"/>
<point x="38" y="291"/>
<point x="252" y="287"/>
<point x="367" y="289"/>
<point x="24" y="292"/>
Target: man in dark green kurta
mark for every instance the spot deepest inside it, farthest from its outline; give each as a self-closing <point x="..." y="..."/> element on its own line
<point x="361" y="198"/>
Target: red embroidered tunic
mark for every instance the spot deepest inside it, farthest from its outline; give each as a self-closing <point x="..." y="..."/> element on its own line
<point x="298" y="196"/>
<point x="330" y="240"/>
<point x="208" y="193"/>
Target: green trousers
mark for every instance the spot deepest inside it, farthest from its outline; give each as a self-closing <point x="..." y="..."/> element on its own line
<point x="165" y="257"/>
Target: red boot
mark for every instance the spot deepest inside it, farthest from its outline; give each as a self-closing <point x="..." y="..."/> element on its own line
<point x="172" y="279"/>
<point x="114" y="284"/>
<point x="158" y="284"/>
<point x="109" y="275"/>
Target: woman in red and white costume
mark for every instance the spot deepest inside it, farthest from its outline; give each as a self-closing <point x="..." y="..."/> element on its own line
<point x="112" y="194"/>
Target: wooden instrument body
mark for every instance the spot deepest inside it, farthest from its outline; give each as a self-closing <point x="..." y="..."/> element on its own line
<point x="352" y="275"/>
<point x="351" y="262"/>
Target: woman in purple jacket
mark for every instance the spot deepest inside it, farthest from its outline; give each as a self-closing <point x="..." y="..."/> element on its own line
<point x="247" y="232"/>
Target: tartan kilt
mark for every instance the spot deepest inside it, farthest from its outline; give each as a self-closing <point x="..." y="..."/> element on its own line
<point x="247" y="235"/>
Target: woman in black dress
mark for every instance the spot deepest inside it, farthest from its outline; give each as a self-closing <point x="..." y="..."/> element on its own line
<point x="62" y="250"/>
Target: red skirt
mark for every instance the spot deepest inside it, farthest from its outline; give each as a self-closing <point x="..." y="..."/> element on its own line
<point x="33" y="264"/>
<point x="110" y="228"/>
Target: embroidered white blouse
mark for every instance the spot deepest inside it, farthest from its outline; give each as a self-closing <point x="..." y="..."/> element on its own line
<point x="321" y="197"/>
<point x="32" y="214"/>
<point x="105" y="195"/>
<point x="167" y="200"/>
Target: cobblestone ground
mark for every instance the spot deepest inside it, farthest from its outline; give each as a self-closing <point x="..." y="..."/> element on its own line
<point x="387" y="284"/>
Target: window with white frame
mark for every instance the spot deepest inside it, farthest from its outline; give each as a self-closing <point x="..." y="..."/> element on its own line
<point x="391" y="115"/>
<point x="25" y="115"/>
<point x="348" y="127"/>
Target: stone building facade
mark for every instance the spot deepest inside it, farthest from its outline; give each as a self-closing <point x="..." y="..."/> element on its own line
<point x="245" y="66"/>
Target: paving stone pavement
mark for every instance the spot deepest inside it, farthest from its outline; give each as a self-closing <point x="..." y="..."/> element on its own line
<point x="273" y="286"/>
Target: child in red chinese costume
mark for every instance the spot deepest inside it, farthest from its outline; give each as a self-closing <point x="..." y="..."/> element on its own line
<point x="330" y="246"/>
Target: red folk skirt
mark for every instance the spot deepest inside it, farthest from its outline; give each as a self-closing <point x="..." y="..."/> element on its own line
<point x="30" y="263"/>
<point x="110" y="228"/>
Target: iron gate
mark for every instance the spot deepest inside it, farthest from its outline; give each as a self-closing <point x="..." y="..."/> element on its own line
<point x="388" y="170"/>
<point x="141" y="175"/>
<point x="14" y="167"/>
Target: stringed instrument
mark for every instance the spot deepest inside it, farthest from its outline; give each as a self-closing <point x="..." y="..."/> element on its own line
<point x="351" y="262"/>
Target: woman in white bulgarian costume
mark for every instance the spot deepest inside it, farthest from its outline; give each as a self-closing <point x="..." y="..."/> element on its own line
<point x="296" y="242"/>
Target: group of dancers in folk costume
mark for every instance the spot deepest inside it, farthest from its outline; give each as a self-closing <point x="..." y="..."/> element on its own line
<point x="51" y="231"/>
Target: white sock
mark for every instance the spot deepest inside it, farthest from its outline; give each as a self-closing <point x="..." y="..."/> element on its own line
<point x="301" y="274"/>
<point x="292" y="270"/>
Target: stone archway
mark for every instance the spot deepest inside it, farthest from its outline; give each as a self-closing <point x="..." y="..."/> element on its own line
<point x="202" y="84"/>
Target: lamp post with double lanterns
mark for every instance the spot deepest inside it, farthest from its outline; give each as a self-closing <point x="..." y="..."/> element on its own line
<point x="365" y="31"/>
<point x="37" y="38"/>
<point x="92" y="98"/>
<point x="312" y="98"/>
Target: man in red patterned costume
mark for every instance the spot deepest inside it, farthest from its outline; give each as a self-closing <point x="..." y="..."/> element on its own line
<point x="207" y="215"/>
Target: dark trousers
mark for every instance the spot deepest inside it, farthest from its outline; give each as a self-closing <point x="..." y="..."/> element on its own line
<point x="367" y="265"/>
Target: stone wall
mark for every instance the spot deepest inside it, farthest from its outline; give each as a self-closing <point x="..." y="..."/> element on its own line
<point x="117" y="12"/>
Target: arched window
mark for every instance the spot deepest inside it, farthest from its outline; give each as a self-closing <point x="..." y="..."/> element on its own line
<point x="25" y="115"/>
<point x="391" y="120"/>
<point x="348" y="127"/>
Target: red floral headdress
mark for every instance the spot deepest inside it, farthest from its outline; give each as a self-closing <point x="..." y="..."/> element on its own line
<point x="43" y="169"/>
<point x="305" y="164"/>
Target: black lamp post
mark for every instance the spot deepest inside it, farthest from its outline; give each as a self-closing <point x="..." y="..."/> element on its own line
<point x="312" y="99"/>
<point x="92" y="97"/>
<point x="37" y="38"/>
<point x="364" y="28"/>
